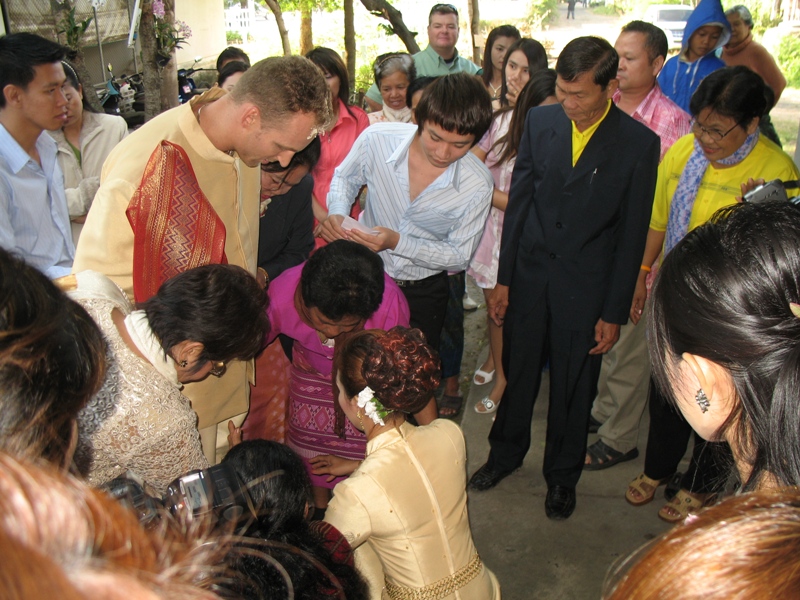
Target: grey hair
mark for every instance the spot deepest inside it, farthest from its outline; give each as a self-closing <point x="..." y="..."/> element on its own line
<point x="388" y="64"/>
<point x="743" y="12"/>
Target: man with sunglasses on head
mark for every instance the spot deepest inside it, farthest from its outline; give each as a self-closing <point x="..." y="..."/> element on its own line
<point x="440" y="57"/>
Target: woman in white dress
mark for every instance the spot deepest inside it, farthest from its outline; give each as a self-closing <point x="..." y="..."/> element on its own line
<point x="196" y="323"/>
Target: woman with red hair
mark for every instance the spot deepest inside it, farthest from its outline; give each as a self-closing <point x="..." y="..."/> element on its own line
<point x="406" y="502"/>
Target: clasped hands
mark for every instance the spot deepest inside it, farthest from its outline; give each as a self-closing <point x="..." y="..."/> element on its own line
<point x="331" y="229"/>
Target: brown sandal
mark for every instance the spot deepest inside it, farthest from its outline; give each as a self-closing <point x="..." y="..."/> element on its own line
<point x="645" y="488"/>
<point x="683" y="504"/>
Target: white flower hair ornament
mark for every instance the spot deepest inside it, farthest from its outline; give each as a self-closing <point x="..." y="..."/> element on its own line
<point x="372" y="406"/>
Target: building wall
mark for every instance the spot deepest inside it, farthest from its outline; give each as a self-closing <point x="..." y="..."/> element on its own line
<point x="207" y="20"/>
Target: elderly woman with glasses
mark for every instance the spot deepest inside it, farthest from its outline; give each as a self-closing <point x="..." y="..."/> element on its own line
<point x="197" y="322"/>
<point x="702" y="172"/>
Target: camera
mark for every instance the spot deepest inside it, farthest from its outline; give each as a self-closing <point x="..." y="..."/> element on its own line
<point x="216" y="490"/>
<point x="215" y="493"/>
<point x="770" y="191"/>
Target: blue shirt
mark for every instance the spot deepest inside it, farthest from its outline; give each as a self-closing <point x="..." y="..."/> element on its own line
<point x="34" y="221"/>
<point x="440" y="229"/>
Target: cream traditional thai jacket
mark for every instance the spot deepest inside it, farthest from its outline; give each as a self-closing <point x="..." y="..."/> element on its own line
<point x="232" y="188"/>
<point x="407" y="502"/>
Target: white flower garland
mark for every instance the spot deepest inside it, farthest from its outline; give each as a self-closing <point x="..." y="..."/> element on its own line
<point x="372" y="406"/>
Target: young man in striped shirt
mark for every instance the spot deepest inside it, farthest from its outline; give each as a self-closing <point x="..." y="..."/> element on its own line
<point x="428" y="196"/>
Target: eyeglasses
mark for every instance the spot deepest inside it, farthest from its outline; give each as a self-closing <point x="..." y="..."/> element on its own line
<point x="218" y="368"/>
<point x="714" y="134"/>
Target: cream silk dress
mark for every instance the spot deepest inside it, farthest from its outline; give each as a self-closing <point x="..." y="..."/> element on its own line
<point x="407" y="502"/>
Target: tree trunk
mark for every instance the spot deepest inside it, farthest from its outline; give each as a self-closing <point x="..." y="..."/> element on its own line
<point x="350" y="41"/>
<point x="169" y="74"/>
<point x="381" y="8"/>
<point x="79" y="63"/>
<point x="276" y="10"/>
<point x="306" y="36"/>
<point x="151" y="72"/>
<point x="76" y="58"/>
<point x="475" y="30"/>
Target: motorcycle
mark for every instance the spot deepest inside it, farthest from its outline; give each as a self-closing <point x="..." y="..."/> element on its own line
<point x="119" y="97"/>
<point x="187" y="88"/>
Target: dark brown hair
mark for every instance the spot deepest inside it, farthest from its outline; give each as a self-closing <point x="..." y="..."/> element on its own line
<point x="52" y="361"/>
<point x="399" y="366"/>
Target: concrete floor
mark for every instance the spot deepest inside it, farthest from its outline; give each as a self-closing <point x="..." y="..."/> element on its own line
<point x="532" y="556"/>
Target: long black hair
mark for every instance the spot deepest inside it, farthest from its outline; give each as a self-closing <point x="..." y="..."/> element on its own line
<point x="725" y="293"/>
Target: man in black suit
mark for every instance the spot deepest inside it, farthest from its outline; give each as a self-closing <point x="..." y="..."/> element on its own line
<point x="574" y="233"/>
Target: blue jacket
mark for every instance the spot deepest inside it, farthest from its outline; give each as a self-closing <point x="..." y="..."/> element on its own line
<point x="680" y="78"/>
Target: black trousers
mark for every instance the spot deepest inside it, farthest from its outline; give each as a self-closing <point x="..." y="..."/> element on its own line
<point x="667" y="438"/>
<point x="529" y="339"/>
<point x="427" y="301"/>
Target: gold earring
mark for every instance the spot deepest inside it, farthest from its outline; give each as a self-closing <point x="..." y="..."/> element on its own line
<point x="360" y="420"/>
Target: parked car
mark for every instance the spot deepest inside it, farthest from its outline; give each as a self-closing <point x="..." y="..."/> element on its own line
<point x="671" y="18"/>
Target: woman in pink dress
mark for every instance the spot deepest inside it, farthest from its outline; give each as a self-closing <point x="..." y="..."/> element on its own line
<point x="336" y="142"/>
<point x="342" y="288"/>
<point x="498" y="149"/>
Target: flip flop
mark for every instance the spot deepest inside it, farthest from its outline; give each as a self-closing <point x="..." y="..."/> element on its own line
<point x="488" y="377"/>
<point x="486" y="406"/>
<point x="602" y="456"/>
<point x="450" y="403"/>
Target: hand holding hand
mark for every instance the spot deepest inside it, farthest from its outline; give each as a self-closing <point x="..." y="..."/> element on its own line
<point x="331" y="229"/>
<point x="497" y="304"/>
<point x="385" y="240"/>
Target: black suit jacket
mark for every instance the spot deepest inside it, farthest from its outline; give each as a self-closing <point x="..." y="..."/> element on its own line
<point x="286" y="230"/>
<point x="578" y="234"/>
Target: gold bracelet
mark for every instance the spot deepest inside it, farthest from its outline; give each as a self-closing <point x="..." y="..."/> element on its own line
<point x="644" y="268"/>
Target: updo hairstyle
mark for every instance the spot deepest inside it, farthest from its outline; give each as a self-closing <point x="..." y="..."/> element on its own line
<point x="392" y="62"/>
<point x="399" y="366"/>
<point x="734" y="92"/>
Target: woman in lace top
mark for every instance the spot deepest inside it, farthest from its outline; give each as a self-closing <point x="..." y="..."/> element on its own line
<point x="196" y="323"/>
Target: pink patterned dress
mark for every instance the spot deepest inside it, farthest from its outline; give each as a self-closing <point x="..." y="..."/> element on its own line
<point x="310" y="430"/>
<point x="484" y="264"/>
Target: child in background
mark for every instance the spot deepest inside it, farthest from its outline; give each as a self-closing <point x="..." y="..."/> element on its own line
<point x="706" y="30"/>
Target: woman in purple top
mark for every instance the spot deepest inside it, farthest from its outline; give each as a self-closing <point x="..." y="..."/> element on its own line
<point x="341" y="289"/>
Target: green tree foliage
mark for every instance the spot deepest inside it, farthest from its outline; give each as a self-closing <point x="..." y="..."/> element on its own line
<point x="789" y="59"/>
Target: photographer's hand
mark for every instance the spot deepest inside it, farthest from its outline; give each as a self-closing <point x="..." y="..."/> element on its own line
<point x="335" y="466"/>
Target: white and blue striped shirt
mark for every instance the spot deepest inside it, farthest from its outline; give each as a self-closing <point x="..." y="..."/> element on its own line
<point x="439" y="230"/>
<point x="34" y="221"/>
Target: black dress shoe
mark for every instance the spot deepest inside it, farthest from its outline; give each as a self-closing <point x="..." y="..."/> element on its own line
<point x="560" y="502"/>
<point x="486" y="478"/>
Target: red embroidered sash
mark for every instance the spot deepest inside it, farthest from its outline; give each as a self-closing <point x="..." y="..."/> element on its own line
<point x="175" y="228"/>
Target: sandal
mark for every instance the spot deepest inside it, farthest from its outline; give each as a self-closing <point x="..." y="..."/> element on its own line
<point x="450" y="406"/>
<point x="486" y="406"/>
<point x="602" y="456"/>
<point x="682" y="505"/>
<point x="645" y="488"/>
<point x="488" y="376"/>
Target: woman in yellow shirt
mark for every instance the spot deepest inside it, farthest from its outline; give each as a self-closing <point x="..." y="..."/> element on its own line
<point x="702" y="172"/>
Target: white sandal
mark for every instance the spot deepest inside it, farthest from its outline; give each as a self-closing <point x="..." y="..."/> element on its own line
<point x="489" y="406"/>
<point x="488" y="376"/>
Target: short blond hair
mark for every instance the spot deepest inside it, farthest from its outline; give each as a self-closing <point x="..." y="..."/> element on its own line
<point x="283" y="85"/>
